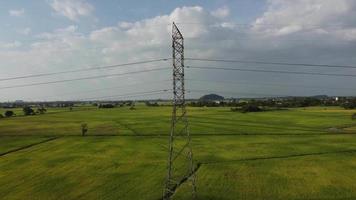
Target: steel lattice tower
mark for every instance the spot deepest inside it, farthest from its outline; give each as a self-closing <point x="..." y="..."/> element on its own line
<point x="180" y="159"/>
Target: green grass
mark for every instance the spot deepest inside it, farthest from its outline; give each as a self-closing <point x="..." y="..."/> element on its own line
<point x="13" y="143"/>
<point x="84" y="168"/>
<point x="288" y="154"/>
<point x="156" y="121"/>
<point x="310" y="177"/>
<point x="275" y="167"/>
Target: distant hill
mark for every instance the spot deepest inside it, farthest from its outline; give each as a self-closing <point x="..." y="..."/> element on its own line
<point x="211" y="97"/>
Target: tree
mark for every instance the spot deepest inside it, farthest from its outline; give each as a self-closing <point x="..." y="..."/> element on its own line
<point x="9" y="113"/>
<point x="84" y="128"/>
<point x="130" y="103"/>
<point x="28" y="110"/>
<point x="132" y="106"/>
<point x="349" y="105"/>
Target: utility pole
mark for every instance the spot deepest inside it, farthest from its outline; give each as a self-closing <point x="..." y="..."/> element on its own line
<point x="180" y="160"/>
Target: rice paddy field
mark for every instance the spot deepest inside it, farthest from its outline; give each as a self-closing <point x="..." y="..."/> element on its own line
<point x="303" y="153"/>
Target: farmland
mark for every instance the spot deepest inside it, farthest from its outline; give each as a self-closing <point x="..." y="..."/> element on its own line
<point x="303" y="153"/>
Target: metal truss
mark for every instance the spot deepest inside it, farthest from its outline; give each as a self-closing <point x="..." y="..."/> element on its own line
<point x="180" y="159"/>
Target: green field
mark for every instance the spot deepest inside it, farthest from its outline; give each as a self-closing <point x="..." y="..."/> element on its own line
<point x="306" y="153"/>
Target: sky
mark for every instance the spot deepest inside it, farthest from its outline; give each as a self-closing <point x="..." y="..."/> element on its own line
<point x="45" y="36"/>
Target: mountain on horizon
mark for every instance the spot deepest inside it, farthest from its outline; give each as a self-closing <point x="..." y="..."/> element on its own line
<point x="211" y="97"/>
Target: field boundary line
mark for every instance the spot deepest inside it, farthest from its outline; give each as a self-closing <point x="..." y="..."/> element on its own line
<point x="251" y="124"/>
<point x="27" y="146"/>
<point x="280" y="157"/>
<point x="128" y="128"/>
<point x="194" y="135"/>
<point x="95" y="135"/>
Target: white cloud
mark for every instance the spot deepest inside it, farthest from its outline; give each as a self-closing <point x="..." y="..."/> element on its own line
<point x="126" y="25"/>
<point x="289" y="29"/>
<point x="61" y="32"/>
<point x="66" y="48"/>
<point x="72" y="9"/>
<point x="17" y="13"/>
<point x="288" y="17"/>
<point x="25" y="31"/>
<point x="277" y="35"/>
<point x="221" y="12"/>
<point x="10" y="45"/>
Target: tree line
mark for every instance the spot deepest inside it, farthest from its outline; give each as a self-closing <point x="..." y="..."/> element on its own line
<point x="288" y="102"/>
<point x="27" y="110"/>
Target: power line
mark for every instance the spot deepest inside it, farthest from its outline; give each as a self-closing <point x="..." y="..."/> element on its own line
<point x="85" y="78"/>
<point x="84" y="69"/>
<point x="272" y="63"/>
<point x="107" y="88"/>
<point x="132" y="94"/>
<point x="270" y="71"/>
<point x="269" y="84"/>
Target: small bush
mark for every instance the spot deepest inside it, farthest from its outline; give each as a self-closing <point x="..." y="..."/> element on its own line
<point x="235" y="109"/>
<point x="9" y="113"/>
<point x="353" y="117"/>
<point x="155" y="104"/>
<point x="1" y="116"/>
<point x="247" y="108"/>
<point x="28" y="111"/>
<point x="251" y="108"/>
<point x="106" y="106"/>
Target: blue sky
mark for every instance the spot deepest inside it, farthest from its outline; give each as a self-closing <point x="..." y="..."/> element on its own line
<point x="43" y="36"/>
<point x="39" y="16"/>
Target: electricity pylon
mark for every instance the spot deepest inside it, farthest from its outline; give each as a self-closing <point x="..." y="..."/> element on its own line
<point x="180" y="159"/>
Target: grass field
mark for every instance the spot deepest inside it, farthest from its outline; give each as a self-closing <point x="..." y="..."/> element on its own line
<point x="289" y="154"/>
